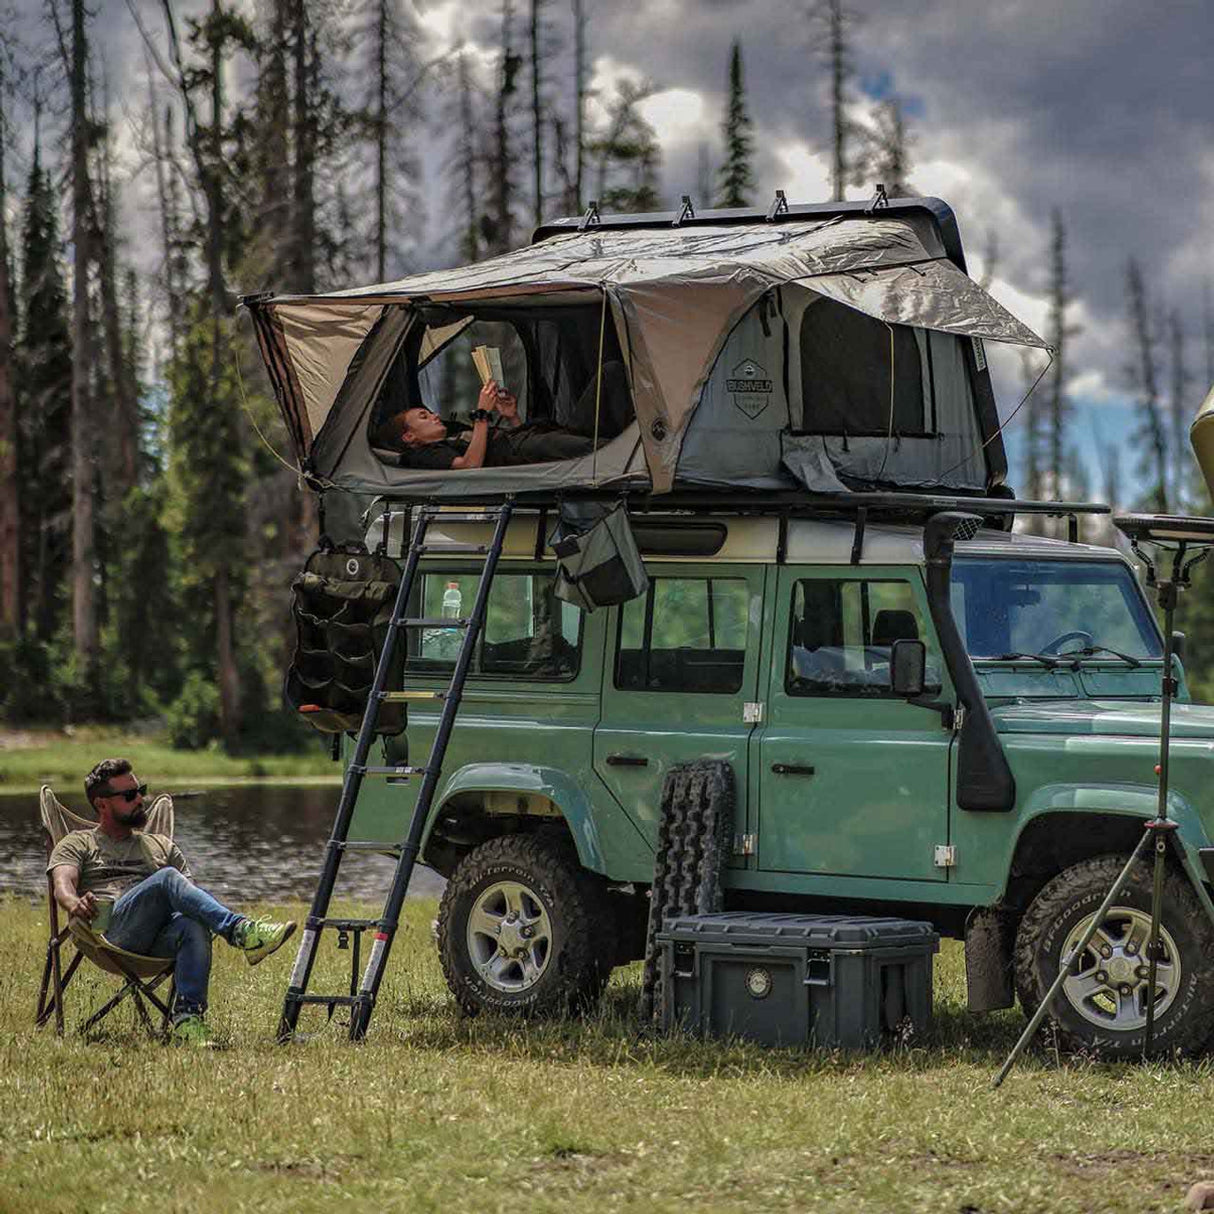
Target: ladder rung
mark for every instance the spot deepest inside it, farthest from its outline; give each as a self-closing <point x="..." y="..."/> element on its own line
<point x="346" y="925"/>
<point x="390" y="771"/>
<point x="451" y="548"/>
<point x="399" y="697"/>
<point x="365" y="845"/>
<point x="439" y="623"/>
<point x="336" y="1000"/>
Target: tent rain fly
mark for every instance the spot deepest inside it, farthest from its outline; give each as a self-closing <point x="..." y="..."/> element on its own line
<point x="837" y="351"/>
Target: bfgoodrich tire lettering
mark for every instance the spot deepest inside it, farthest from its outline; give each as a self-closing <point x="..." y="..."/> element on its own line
<point x="1185" y="1013"/>
<point x="539" y="876"/>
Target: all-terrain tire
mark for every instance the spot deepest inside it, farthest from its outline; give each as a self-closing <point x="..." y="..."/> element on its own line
<point x="1052" y="918"/>
<point x="576" y="961"/>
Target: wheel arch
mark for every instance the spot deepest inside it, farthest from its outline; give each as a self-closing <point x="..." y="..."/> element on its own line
<point x="1065" y="824"/>
<point x="482" y="801"/>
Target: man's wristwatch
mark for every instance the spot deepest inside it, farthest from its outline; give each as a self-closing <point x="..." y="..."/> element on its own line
<point x="481" y="415"/>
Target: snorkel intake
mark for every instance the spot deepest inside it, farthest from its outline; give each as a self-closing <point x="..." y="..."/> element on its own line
<point x="984" y="780"/>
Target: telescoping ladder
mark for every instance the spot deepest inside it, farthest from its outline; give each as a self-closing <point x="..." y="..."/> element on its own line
<point x="362" y="994"/>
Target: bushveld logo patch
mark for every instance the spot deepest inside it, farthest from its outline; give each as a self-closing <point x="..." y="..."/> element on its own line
<point x="750" y="387"/>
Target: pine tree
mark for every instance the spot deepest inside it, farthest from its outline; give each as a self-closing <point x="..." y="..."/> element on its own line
<point x="497" y="224"/>
<point x="1180" y="409"/>
<point x="44" y="362"/>
<point x="627" y="155"/>
<point x="1060" y="334"/>
<point x="392" y="111"/>
<point x="204" y="507"/>
<point x="83" y="442"/>
<point x="888" y="155"/>
<point x="1143" y="376"/>
<point x="736" y="179"/>
<point x="464" y="168"/>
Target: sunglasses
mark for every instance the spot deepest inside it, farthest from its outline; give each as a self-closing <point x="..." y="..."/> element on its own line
<point x="127" y="794"/>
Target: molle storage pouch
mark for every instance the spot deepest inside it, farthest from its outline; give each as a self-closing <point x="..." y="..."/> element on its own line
<point x="341" y="604"/>
<point x="598" y="562"/>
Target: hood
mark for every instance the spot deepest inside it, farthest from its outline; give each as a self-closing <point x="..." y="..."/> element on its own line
<point x="1114" y="718"/>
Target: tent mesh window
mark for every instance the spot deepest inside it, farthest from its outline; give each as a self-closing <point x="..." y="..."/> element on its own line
<point x="549" y="355"/>
<point x="846" y="371"/>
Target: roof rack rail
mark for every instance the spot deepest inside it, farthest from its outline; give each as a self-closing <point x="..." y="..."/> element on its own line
<point x="791" y="501"/>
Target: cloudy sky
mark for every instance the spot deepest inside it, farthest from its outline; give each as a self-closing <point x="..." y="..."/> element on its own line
<point x="1099" y="108"/>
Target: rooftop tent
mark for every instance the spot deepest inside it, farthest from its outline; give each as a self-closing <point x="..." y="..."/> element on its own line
<point x="832" y="347"/>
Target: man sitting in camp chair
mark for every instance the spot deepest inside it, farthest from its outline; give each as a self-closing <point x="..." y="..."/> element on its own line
<point x="135" y="889"/>
<point x="425" y="440"/>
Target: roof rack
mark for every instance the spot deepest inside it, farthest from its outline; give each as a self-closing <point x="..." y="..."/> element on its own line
<point x="791" y="503"/>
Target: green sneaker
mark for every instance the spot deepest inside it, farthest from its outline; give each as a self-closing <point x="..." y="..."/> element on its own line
<point x="192" y="1030"/>
<point x="258" y="938"/>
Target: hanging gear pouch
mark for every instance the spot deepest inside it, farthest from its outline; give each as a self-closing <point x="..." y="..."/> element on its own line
<point x="342" y="603"/>
<point x="598" y="562"/>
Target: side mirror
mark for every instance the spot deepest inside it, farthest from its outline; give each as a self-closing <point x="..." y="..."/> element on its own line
<point x="1178" y="644"/>
<point x="907" y="668"/>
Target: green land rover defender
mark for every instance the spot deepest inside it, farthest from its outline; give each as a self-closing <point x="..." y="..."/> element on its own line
<point x="861" y="784"/>
<point x="918" y="710"/>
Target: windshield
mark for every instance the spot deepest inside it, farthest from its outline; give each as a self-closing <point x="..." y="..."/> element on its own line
<point x="1005" y="607"/>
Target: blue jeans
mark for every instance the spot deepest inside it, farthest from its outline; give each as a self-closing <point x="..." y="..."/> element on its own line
<point x="167" y="915"/>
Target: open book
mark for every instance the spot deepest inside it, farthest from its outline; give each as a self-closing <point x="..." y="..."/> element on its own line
<point x="488" y="361"/>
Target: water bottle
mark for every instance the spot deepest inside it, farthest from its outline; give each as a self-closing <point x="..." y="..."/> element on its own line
<point x="449" y="638"/>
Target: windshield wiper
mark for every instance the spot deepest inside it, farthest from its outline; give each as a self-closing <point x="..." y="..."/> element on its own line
<point x="1090" y="651"/>
<point x="1048" y="660"/>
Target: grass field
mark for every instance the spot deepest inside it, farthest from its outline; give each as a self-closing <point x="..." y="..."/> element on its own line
<point x="434" y="1112"/>
<point x="29" y="759"/>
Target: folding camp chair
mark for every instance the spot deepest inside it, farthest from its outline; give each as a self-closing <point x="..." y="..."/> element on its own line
<point x="142" y="975"/>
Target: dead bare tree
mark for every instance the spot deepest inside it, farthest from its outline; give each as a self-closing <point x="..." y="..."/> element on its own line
<point x="833" y="21"/>
<point x="1143" y="375"/>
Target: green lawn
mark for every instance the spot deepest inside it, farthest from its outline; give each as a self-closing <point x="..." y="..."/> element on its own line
<point x="437" y="1113"/>
<point x="31" y="759"/>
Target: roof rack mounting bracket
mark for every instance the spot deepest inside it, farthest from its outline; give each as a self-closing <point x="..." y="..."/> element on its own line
<point x="857" y="544"/>
<point x="688" y="212"/>
<point x="779" y="206"/>
<point x="879" y="200"/>
<point x="591" y="216"/>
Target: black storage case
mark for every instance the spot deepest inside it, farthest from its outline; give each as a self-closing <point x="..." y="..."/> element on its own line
<point x="825" y="980"/>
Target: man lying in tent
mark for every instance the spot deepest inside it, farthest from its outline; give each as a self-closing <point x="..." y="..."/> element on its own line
<point x="135" y="890"/>
<point x="424" y="440"/>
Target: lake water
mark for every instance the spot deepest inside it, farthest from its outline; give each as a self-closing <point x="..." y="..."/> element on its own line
<point x="244" y="844"/>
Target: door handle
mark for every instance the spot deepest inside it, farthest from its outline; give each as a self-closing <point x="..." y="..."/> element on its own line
<point x="792" y="769"/>
<point x="627" y="761"/>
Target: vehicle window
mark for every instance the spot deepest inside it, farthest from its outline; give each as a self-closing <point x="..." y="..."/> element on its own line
<point x="529" y="633"/>
<point x="841" y="633"/>
<point x="1009" y="606"/>
<point x="684" y="634"/>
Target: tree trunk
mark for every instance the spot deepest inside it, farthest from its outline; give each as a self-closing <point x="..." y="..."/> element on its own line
<point x="304" y="218"/>
<point x="10" y="514"/>
<point x="381" y="142"/>
<point x="125" y="423"/>
<point x="537" y="117"/>
<point x="84" y="425"/>
<point x="579" y="86"/>
<point x="229" y="682"/>
<point x="467" y="168"/>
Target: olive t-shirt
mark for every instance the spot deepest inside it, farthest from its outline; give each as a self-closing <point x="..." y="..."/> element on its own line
<point x="109" y="867"/>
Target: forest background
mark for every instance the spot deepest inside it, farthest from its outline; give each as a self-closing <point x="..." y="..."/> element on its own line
<point x="149" y="530"/>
